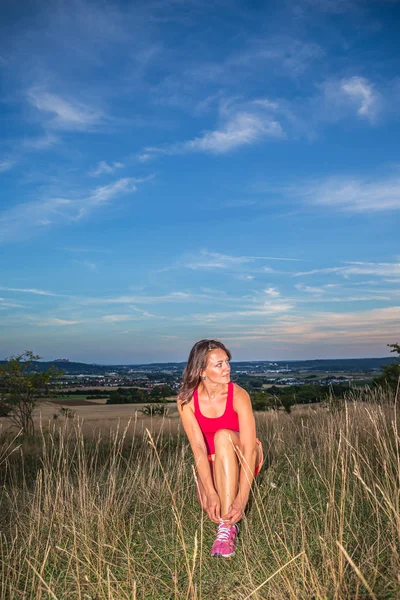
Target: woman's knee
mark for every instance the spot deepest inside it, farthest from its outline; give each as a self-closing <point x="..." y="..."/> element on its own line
<point x="226" y="439"/>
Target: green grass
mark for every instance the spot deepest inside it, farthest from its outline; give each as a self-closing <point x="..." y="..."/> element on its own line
<point x="117" y="518"/>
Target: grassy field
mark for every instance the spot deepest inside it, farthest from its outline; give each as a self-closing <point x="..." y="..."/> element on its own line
<point x="113" y="515"/>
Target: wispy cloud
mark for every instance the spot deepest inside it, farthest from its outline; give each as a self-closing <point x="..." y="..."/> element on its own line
<point x="56" y="322"/>
<point x="44" y="142"/>
<point x="6" y="165"/>
<point x="352" y="194"/>
<point x="29" y="291"/>
<point x="323" y="289"/>
<point x="64" y="114"/>
<point x="284" y="53"/>
<point x="358" y="268"/>
<point x="267" y="309"/>
<point x="342" y="97"/>
<point x="239" y="128"/>
<point x="272" y="55"/>
<point x="81" y="250"/>
<point x="24" y="219"/>
<point x="272" y="292"/>
<point x="171" y="297"/>
<point x="4" y="304"/>
<point x="362" y="93"/>
<point x="104" y="167"/>
<point x="243" y="129"/>
<point x="215" y="260"/>
<point x="87" y="264"/>
<point x="117" y="318"/>
<point x="366" y="326"/>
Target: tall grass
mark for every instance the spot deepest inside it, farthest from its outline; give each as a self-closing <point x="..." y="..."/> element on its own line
<point x="116" y="518"/>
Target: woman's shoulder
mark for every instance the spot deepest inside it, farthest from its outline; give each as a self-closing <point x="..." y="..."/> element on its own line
<point x="239" y="393"/>
<point x="241" y="401"/>
<point x="185" y="403"/>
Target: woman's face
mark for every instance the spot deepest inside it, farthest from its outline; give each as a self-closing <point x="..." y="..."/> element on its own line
<point x="218" y="369"/>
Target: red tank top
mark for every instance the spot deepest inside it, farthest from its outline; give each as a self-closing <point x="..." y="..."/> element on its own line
<point x="210" y="425"/>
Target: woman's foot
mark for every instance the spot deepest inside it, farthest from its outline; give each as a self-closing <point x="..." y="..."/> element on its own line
<point x="225" y="542"/>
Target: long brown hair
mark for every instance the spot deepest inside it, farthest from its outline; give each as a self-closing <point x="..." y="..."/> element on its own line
<point x="196" y="363"/>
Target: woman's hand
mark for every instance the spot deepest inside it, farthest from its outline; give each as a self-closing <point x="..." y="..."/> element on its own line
<point x="235" y="512"/>
<point x="212" y="506"/>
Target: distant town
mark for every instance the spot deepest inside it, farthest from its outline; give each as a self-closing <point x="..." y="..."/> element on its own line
<point x="253" y="374"/>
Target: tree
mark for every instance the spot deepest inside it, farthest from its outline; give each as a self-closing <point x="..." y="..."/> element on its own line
<point x="390" y="373"/>
<point x="22" y="386"/>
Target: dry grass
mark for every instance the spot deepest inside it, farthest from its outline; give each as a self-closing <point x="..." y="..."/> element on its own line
<point x="115" y="517"/>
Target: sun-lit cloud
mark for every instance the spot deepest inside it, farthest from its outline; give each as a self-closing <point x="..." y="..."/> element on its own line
<point x="365" y="326"/>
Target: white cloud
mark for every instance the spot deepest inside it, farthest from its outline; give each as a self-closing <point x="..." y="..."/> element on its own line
<point x="280" y="53"/>
<point x="215" y="260"/>
<point x="87" y="264"/>
<point x="132" y="300"/>
<point x="24" y="219"/>
<point x="341" y="97"/>
<point x="29" y="291"/>
<point x="116" y="318"/>
<point x="241" y="130"/>
<point x="6" y="165"/>
<point x="4" y="304"/>
<point x="262" y="310"/>
<point x="54" y="321"/>
<point x="41" y="143"/>
<point x="361" y="92"/>
<point x="351" y="194"/>
<point x="81" y="250"/>
<point x="244" y="277"/>
<point x="323" y="289"/>
<point x="240" y="127"/>
<point x="104" y="167"/>
<point x="271" y="291"/>
<point x="66" y="114"/>
<point x="357" y="268"/>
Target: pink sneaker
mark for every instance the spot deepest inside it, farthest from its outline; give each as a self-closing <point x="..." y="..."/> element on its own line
<point x="225" y="543"/>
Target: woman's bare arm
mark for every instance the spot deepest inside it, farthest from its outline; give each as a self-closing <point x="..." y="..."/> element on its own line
<point x="196" y="440"/>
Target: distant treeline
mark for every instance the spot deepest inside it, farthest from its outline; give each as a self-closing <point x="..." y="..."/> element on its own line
<point x="159" y="393"/>
<point x="286" y="397"/>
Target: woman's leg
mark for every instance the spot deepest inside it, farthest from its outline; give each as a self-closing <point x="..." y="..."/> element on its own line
<point x="226" y="467"/>
<point x="200" y="493"/>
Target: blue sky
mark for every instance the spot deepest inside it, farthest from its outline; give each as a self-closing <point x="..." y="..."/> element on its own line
<point x="174" y="170"/>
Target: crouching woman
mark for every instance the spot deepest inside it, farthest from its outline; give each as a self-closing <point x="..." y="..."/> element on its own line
<point x="218" y="420"/>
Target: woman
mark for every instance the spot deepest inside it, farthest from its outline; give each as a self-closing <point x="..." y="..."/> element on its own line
<point x="218" y="419"/>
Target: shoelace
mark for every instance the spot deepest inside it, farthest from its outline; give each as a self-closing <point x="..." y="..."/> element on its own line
<point x="223" y="532"/>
